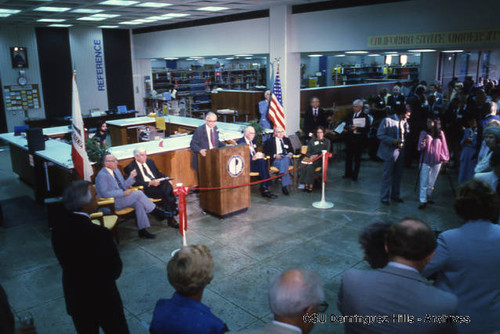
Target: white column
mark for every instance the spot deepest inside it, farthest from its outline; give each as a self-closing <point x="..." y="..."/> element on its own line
<point x="429" y="62"/>
<point x="281" y="45"/>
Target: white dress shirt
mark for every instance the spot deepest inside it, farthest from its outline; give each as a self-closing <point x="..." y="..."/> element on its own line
<point x="290" y="327"/>
<point x="144" y="169"/>
<point x="401" y="266"/>
<point x="252" y="148"/>
<point x="210" y="144"/>
<point x="279" y="150"/>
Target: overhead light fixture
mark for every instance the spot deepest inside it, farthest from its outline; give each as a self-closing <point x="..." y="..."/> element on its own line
<point x="357" y="52"/>
<point x="176" y="15"/>
<point x="212" y="8"/>
<point x="339" y="56"/>
<point x="86" y="11"/>
<point x="422" y="50"/>
<point x="106" y="16"/>
<point x="374" y="55"/>
<point x="58" y="25"/>
<point x="315" y="55"/>
<point x="388" y="60"/>
<point x="243" y="55"/>
<point x="230" y="58"/>
<point x="171" y="58"/>
<point x="91" y="18"/>
<point x="9" y="11"/>
<point x="248" y="57"/>
<point x="130" y="22"/>
<point x="107" y="27"/>
<point x="52" y="9"/>
<point x="154" y="18"/>
<point x="391" y="52"/>
<point x="196" y="57"/>
<point x="5" y="15"/>
<point x="403" y="60"/>
<point x="51" y="20"/>
<point x="118" y="3"/>
<point x="153" y="4"/>
<point x="452" y="51"/>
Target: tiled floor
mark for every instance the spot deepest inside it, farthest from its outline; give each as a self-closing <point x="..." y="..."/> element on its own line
<point x="247" y="249"/>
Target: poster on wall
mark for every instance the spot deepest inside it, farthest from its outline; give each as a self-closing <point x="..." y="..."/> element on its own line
<point x="19" y="57"/>
<point x="21" y="97"/>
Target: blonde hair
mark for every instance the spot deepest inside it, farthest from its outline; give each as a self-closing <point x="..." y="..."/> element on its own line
<point x="190" y="270"/>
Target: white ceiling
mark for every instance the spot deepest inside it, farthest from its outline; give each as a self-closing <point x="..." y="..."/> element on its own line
<point x="29" y="16"/>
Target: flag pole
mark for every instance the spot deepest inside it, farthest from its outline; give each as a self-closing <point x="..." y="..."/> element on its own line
<point x="323" y="204"/>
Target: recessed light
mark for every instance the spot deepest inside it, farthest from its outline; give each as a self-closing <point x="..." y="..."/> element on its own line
<point x="452" y="51"/>
<point x="391" y="52"/>
<point x="356" y="52"/>
<point x="243" y="55"/>
<point x="9" y="11"/>
<point x="130" y="22"/>
<point x="156" y="18"/>
<point x="374" y="55"/>
<point x="230" y="58"/>
<point x="339" y="56"/>
<point x="212" y="8"/>
<point x="175" y="15"/>
<point x="107" y="27"/>
<point x="58" y="25"/>
<point x="154" y="4"/>
<point x="248" y="57"/>
<point x="315" y="56"/>
<point x="51" y="20"/>
<point x="422" y="50"/>
<point x="170" y="58"/>
<point x="52" y="9"/>
<point x="118" y="3"/>
<point x="91" y="18"/>
<point x="196" y="57"/>
<point x="86" y="11"/>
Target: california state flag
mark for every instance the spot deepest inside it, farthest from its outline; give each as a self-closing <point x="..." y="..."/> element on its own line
<point x="78" y="153"/>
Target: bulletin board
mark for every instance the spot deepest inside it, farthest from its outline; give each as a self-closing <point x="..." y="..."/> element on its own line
<point x="21" y="97"/>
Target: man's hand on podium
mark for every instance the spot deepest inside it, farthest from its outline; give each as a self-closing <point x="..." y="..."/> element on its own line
<point x="203" y="152"/>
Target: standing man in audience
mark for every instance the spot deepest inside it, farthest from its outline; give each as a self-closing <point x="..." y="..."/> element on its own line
<point x="396" y="101"/>
<point x="314" y="117"/>
<point x="398" y="291"/>
<point x="264" y="121"/>
<point x="257" y="162"/>
<point x="110" y="183"/>
<point x="294" y="297"/>
<point x="205" y="137"/>
<point x="280" y="149"/>
<point x="90" y="264"/>
<point x="147" y="176"/>
<point x="391" y="133"/>
<point x="356" y="129"/>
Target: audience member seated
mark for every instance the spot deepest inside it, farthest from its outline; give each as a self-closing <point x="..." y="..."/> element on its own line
<point x="280" y="149"/>
<point x="110" y="183"/>
<point x="467" y="260"/>
<point x="257" y="162"/>
<point x="372" y="240"/>
<point x="147" y="176"/>
<point x="491" y="137"/>
<point x="189" y="271"/>
<point x="90" y="265"/>
<point x="315" y="146"/>
<point x="398" y="291"/>
<point x="294" y="296"/>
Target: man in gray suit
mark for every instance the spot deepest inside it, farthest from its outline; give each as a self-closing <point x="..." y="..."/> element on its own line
<point x="109" y="182"/>
<point x="396" y="298"/>
<point x="391" y="133"/>
<point x="205" y="137"/>
<point x="294" y="297"/>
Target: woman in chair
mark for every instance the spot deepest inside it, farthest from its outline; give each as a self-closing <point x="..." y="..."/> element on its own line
<point x="314" y="148"/>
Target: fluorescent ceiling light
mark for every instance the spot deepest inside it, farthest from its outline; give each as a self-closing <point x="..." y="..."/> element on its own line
<point x="86" y="11"/>
<point x="422" y="50"/>
<point x="52" y="9"/>
<point x="248" y="57"/>
<point x="339" y="56"/>
<point x="391" y="52"/>
<point x="130" y="22"/>
<point x="315" y="55"/>
<point x="196" y="57"/>
<point x="452" y="51"/>
<point x="5" y="15"/>
<point x="230" y="58"/>
<point x="171" y="58"/>
<point x="118" y="3"/>
<point x="374" y="55"/>
<point x="357" y="52"/>
<point x="175" y="15"/>
<point x="106" y="16"/>
<point x="107" y="27"/>
<point x="155" y="18"/>
<point x="51" y="20"/>
<point x="154" y="4"/>
<point x="243" y="55"/>
<point x="212" y="8"/>
<point x="91" y="18"/>
<point x="57" y="25"/>
<point x="9" y="11"/>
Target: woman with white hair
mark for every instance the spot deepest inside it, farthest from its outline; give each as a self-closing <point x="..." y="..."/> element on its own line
<point x="491" y="136"/>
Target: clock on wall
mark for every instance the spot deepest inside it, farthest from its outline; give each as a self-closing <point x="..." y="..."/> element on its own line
<point x="21" y="79"/>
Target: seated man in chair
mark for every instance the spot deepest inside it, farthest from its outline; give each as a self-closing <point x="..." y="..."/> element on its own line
<point x="109" y="182"/>
<point x="257" y="162"/>
<point x="147" y="176"/>
<point x="280" y="149"/>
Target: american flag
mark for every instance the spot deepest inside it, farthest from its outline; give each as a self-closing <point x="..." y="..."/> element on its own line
<point x="276" y="113"/>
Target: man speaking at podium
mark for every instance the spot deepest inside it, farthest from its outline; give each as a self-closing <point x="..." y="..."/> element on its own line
<point x="205" y="137"/>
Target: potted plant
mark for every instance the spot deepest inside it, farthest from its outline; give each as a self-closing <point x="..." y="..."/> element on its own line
<point x="95" y="152"/>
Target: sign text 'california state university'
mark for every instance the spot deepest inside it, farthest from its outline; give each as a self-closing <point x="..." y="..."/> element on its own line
<point x="99" y="66"/>
<point x="467" y="37"/>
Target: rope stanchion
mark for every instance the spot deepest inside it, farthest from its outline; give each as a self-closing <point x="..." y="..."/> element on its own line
<point x="324" y="204"/>
<point x="182" y="192"/>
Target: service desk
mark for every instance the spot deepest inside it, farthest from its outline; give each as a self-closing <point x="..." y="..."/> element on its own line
<point x="88" y="121"/>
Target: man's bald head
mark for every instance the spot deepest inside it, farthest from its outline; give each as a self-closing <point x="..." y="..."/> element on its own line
<point x="411" y="239"/>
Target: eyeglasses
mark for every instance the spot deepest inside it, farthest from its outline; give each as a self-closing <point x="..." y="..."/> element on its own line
<point x="323" y="307"/>
<point x="114" y="160"/>
<point x="210" y="121"/>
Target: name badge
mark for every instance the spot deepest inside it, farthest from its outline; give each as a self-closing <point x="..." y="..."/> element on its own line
<point x="398" y="102"/>
<point x="286" y="146"/>
<point x="316" y="143"/>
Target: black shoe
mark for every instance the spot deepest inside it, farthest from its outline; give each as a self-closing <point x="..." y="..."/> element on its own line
<point x="385" y="202"/>
<point x="309" y="190"/>
<point x="145" y="234"/>
<point x="398" y="200"/>
<point x="285" y="191"/>
<point x="158" y="214"/>
<point x="355" y="178"/>
<point x="430" y="201"/>
<point x="346" y="176"/>
<point x="268" y="194"/>
<point x="422" y="206"/>
<point x="173" y="223"/>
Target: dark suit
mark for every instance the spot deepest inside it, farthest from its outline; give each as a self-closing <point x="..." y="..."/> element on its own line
<point x="259" y="165"/>
<point x="163" y="191"/>
<point x="355" y="142"/>
<point x="397" y="103"/>
<point x="281" y="164"/>
<point x="200" y="142"/>
<point x="90" y="263"/>
<point x="311" y="122"/>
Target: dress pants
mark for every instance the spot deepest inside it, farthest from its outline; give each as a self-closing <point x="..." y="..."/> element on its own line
<point x="112" y="322"/>
<point x="354" y="148"/>
<point x="283" y="164"/>
<point x="140" y="203"/>
<point x="165" y="192"/>
<point x="391" y="178"/>
<point x="428" y="176"/>
<point x="260" y="165"/>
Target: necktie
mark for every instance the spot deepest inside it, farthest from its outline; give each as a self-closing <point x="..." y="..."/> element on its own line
<point x="252" y="149"/>
<point x="145" y="171"/>
<point x="212" y="137"/>
<point x="283" y="149"/>
<point x="118" y="181"/>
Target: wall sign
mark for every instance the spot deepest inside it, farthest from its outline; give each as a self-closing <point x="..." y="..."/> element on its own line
<point x="99" y="65"/>
<point x="21" y="97"/>
<point x="235" y="165"/>
<point x="465" y="38"/>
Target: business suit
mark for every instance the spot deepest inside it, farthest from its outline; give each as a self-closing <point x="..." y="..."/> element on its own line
<point x="393" y="156"/>
<point x="394" y="291"/>
<point x="91" y="264"/>
<point x="467" y="263"/>
<point x="258" y="165"/>
<point x="200" y="142"/>
<point x="163" y="191"/>
<point x="396" y="102"/>
<point x="107" y="186"/>
<point x="283" y="163"/>
<point x="355" y="142"/>
<point x="311" y="122"/>
<point x="270" y="328"/>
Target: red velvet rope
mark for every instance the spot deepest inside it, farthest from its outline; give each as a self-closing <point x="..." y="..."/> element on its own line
<point x="182" y="192"/>
<point x="328" y="155"/>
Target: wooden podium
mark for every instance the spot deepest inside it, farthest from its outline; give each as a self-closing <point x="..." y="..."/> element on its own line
<point x="225" y="166"/>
